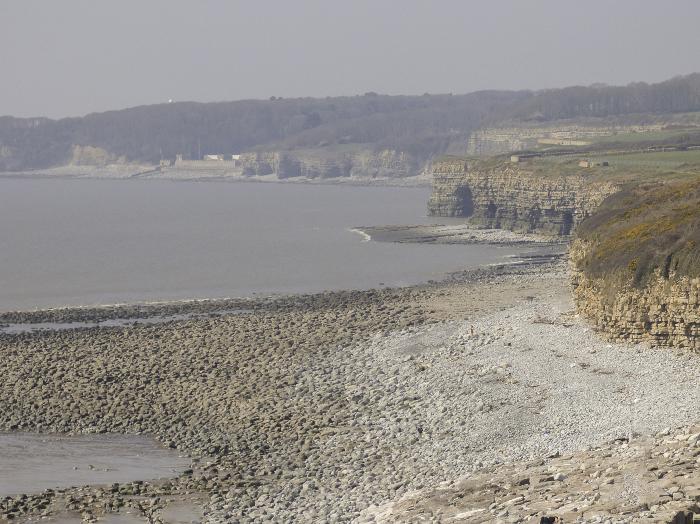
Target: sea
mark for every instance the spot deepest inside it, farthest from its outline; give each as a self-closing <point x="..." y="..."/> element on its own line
<point x="77" y="242"/>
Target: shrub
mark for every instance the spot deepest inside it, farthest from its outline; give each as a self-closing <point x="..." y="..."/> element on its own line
<point x="642" y="229"/>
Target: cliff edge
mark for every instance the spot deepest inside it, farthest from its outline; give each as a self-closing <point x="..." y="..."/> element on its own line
<point x="635" y="264"/>
<point x="526" y="197"/>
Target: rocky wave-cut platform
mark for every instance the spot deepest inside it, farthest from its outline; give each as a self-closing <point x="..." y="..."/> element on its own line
<point x="655" y="479"/>
<point x="455" y="234"/>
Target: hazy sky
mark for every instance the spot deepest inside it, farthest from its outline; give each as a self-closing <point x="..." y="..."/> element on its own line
<point x="71" y="57"/>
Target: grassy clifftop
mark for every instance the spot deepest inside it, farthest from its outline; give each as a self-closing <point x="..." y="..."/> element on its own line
<point x="644" y="228"/>
<point x="622" y="169"/>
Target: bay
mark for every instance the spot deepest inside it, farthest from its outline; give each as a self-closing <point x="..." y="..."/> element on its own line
<point x="67" y="242"/>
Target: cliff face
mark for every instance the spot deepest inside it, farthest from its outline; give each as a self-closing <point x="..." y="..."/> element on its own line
<point x="509" y="196"/>
<point x="635" y="263"/>
<point x="332" y="163"/>
<point x="93" y="156"/>
<point x="666" y="311"/>
<point x="319" y="163"/>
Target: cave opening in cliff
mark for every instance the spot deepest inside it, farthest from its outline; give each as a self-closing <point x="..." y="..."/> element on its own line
<point x="567" y="223"/>
<point x="465" y="201"/>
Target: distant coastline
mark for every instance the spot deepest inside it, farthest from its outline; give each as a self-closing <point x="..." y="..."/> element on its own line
<point x="148" y="172"/>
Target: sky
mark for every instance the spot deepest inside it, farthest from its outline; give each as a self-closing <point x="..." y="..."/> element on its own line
<point x="72" y="57"/>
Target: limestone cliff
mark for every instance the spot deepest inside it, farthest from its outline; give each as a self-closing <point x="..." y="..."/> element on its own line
<point x="635" y="263"/>
<point x="665" y="311"/>
<point x="93" y="156"/>
<point x="499" y="194"/>
<point x="331" y="163"/>
<point x="318" y="163"/>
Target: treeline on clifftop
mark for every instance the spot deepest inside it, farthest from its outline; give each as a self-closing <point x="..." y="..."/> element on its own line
<point x="677" y="95"/>
<point x="423" y="126"/>
<point x="643" y="230"/>
<point x="419" y="125"/>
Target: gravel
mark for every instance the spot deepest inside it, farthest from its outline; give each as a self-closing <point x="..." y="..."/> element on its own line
<point x="322" y="406"/>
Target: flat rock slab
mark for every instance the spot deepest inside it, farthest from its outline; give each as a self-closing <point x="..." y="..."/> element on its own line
<point x="452" y="234"/>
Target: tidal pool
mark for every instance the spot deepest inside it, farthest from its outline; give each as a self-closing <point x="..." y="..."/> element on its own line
<point x="31" y="462"/>
<point x="17" y="328"/>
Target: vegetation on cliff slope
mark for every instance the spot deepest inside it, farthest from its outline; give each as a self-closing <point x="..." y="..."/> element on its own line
<point x="419" y="125"/>
<point x="676" y="95"/>
<point x="424" y="126"/>
<point x="645" y="228"/>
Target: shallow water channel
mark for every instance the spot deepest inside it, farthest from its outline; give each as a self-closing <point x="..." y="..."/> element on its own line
<point x="31" y="463"/>
<point x="30" y="327"/>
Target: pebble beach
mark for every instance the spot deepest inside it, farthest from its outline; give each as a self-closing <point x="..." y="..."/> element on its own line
<point x="336" y="406"/>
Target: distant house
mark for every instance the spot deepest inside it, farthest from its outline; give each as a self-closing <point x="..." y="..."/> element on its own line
<point x="209" y="162"/>
<point x="166" y="163"/>
<point x="591" y="163"/>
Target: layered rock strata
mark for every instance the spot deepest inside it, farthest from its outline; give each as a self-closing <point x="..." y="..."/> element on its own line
<point x="666" y="311"/>
<point x="653" y="479"/>
<point x="319" y="163"/>
<point x="508" y="196"/>
<point x="311" y="163"/>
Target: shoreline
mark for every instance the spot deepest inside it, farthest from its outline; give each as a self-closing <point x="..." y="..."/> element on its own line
<point x="202" y="305"/>
<point x="129" y="172"/>
<point x="331" y="405"/>
<point x="455" y="234"/>
<point x="361" y="405"/>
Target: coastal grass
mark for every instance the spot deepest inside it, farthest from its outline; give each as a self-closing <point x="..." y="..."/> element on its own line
<point x="622" y="169"/>
<point x="645" y="136"/>
<point x="659" y="159"/>
<point x="644" y="230"/>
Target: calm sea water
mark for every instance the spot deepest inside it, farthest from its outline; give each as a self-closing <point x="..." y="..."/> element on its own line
<point x="83" y="242"/>
<point x="30" y="463"/>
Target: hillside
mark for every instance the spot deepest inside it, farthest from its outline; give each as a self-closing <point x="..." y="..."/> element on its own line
<point x="677" y="95"/>
<point x="419" y="126"/>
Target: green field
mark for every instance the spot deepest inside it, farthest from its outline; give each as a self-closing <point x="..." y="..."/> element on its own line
<point x="663" y="160"/>
<point x="634" y="167"/>
<point x="649" y="136"/>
